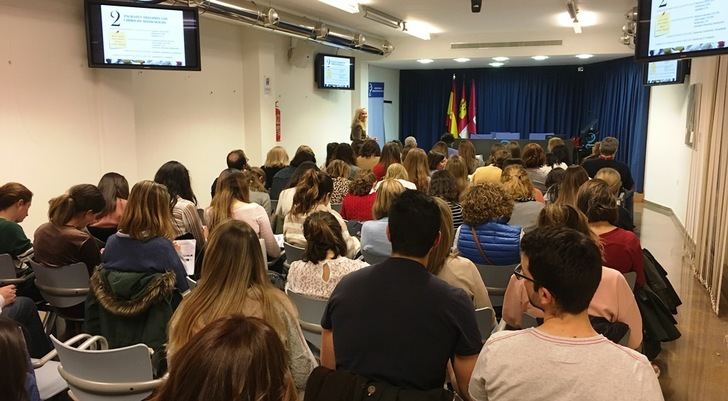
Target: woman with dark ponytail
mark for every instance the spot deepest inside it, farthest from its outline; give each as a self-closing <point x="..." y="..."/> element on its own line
<point x="313" y="194"/>
<point x="64" y="240"/>
<point x="324" y="263"/>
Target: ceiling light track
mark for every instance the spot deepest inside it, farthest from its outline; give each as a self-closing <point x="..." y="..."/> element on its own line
<point x="293" y="25"/>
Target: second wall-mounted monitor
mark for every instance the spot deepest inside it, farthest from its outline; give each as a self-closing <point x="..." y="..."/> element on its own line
<point x="667" y="72"/>
<point x="334" y="72"/>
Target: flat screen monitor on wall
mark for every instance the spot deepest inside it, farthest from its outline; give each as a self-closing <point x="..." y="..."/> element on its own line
<point x="674" y="29"/>
<point x="334" y="72"/>
<point x="132" y="35"/>
<point x="666" y="72"/>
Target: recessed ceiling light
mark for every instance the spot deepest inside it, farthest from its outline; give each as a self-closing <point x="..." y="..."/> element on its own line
<point x="418" y="29"/>
<point x="462" y="59"/>
<point x="540" y="58"/>
<point x="584" y="56"/>
<point x="496" y="64"/>
<point x="500" y="58"/>
<point x="350" y="6"/>
<point x="585" y="18"/>
<point x="425" y="61"/>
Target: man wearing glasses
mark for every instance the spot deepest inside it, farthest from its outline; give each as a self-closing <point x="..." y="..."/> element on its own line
<point x="564" y="358"/>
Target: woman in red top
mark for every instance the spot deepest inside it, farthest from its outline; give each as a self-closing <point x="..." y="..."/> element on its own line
<point x="391" y="153"/>
<point x="622" y="249"/>
<point x="357" y="205"/>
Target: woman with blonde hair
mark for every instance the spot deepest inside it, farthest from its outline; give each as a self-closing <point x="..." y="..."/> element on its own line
<point x="574" y="177"/>
<point x="143" y="243"/>
<point x="374" y="239"/>
<point x="466" y="150"/>
<point x="324" y="262"/>
<point x="613" y="299"/>
<point x="235" y="285"/>
<point x="233" y="358"/>
<point x="417" y="168"/>
<point x="526" y="208"/>
<point x="614" y="181"/>
<point x="455" y="270"/>
<point x="275" y="161"/>
<point x="232" y="201"/>
<point x="396" y="171"/>
<point x="359" y="126"/>
<point x="339" y="172"/>
<point x="313" y="194"/>
<point x="459" y="169"/>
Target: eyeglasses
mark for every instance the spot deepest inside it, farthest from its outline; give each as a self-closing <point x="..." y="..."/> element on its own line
<point x="518" y="271"/>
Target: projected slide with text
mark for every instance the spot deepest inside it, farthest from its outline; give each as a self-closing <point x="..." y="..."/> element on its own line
<point x="683" y="26"/>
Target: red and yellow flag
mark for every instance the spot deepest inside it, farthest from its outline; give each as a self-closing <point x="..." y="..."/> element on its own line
<point x="463" y="114"/>
<point x="451" y="122"/>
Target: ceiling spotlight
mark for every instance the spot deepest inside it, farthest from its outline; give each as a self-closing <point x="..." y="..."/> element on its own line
<point x="496" y="64"/>
<point x="584" y="56"/>
<point x="475" y="5"/>
<point x="425" y="61"/>
<point x="501" y="58"/>
<point x="350" y="6"/>
<point x="358" y="40"/>
<point x="540" y="58"/>
<point x="462" y="59"/>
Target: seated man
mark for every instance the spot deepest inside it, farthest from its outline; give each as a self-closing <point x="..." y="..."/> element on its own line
<point x="607" y="151"/>
<point x="564" y="358"/>
<point x="397" y="323"/>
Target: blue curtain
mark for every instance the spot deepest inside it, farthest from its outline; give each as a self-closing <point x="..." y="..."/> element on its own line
<point x="557" y="99"/>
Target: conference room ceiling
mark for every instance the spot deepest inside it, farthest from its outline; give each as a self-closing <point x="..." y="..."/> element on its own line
<point x="451" y="21"/>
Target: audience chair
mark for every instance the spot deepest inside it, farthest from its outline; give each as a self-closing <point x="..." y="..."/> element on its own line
<point x="496" y="280"/>
<point x="373" y="259"/>
<point x="625" y="340"/>
<point x="337" y="207"/>
<point x="354" y="228"/>
<point x="310" y="312"/>
<point x="485" y="318"/>
<point x="62" y="287"/>
<point x="631" y="278"/>
<point x="121" y="374"/>
<point x="293" y="253"/>
<point x="528" y="321"/>
<point x="8" y="273"/>
<point x="191" y="283"/>
<point x="201" y="213"/>
<point x="273" y="205"/>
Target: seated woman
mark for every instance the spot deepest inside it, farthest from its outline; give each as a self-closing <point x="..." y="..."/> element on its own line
<point x="622" y="248"/>
<point x="64" y="240"/>
<point x="436" y="161"/>
<point x="324" y="263"/>
<point x="485" y="237"/>
<point x="397" y="172"/>
<point x="312" y="195"/>
<point x="614" y="180"/>
<point x="455" y="270"/>
<point x="466" y="150"/>
<point x="115" y="189"/>
<point x="143" y="243"/>
<point x="282" y="179"/>
<point x="15" y="200"/>
<point x="285" y="199"/>
<point x="345" y="153"/>
<point x="553" y="182"/>
<point x="18" y="382"/>
<point x="234" y="285"/>
<point x="339" y="172"/>
<point x="233" y="358"/>
<point x="417" y="169"/>
<point x="275" y="160"/>
<point x="186" y="220"/>
<point x="457" y="167"/>
<point x="391" y="153"/>
<point x="232" y="201"/>
<point x="357" y="204"/>
<point x="516" y="183"/>
<point x="258" y="192"/>
<point x="613" y="299"/>
<point x="443" y="185"/>
<point x="574" y="177"/>
<point x="374" y="239"/>
<point x="368" y="155"/>
<point x="534" y="160"/>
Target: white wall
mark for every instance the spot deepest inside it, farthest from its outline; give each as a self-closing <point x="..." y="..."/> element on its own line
<point x="667" y="162"/>
<point x="63" y="123"/>
<point x="390" y="77"/>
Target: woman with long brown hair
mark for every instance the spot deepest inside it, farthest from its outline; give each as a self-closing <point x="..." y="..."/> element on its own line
<point x="313" y="194"/>
<point x="230" y="285"/>
<point x="466" y="150"/>
<point x="339" y="172"/>
<point x="115" y="189"/>
<point x="526" y="208"/>
<point x="324" y="262"/>
<point x="143" y="243"/>
<point x="232" y="201"/>
<point x="185" y="219"/>
<point x="459" y="169"/>
<point x="17" y="383"/>
<point x="391" y="153"/>
<point x="235" y="358"/>
<point x="418" y="170"/>
<point x="574" y="177"/>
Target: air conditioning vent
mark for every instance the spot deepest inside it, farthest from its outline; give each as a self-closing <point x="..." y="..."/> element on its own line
<point x="506" y="44"/>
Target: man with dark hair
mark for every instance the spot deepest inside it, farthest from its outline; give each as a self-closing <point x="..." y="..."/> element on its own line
<point x="395" y="322"/>
<point x="449" y="141"/>
<point x="607" y="151"/>
<point x="564" y="358"/>
<point x="237" y="160"/>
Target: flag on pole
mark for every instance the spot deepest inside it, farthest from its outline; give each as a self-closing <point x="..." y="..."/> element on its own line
<point x="451" y="122"/>
<point x="463" y="114"/>
<point x="472" y="124"/>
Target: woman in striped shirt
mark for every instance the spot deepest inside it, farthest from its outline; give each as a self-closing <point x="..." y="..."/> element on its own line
<point x="443" y="185"/>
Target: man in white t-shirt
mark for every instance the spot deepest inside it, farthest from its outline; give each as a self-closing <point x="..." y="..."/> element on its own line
<point x="564" y="358"/>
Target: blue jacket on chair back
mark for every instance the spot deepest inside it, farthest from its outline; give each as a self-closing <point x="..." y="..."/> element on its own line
<point x="499" y="242"/>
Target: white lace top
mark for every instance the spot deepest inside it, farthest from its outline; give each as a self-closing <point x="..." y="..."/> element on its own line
<point x="308" y="278"/>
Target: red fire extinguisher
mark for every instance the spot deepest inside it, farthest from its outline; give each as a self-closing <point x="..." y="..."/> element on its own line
<point x="278" y="123"/>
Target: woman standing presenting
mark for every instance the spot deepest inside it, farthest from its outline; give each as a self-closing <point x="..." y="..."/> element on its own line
<point x="358" y="128"/>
